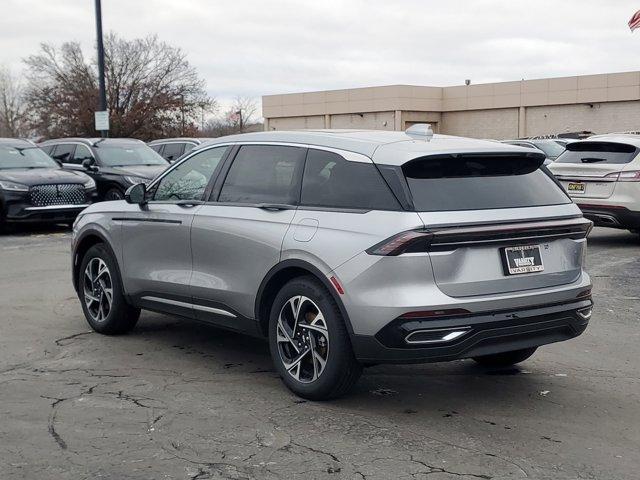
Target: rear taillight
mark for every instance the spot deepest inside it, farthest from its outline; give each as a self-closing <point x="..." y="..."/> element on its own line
<point x="632" y="176"/>
<point x="405" y="242"/>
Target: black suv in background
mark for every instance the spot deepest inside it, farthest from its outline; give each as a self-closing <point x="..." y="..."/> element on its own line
<point x="35" y="188"/>
<point x="114" y="163"/>
<point x="171" y="149"/>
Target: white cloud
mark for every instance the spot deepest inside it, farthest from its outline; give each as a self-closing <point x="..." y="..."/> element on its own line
<point x="252" y="47"/>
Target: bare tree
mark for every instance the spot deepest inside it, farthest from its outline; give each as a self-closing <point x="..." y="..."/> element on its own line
<point x="152" y="90"/>
<point x="12" y="105"/>
<point x="240" y="117"/>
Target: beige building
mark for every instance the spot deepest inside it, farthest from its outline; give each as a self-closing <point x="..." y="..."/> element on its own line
<point x="597" y="103"/>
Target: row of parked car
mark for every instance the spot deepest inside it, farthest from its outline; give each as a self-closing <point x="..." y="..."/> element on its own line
<point x="54" y="180"/>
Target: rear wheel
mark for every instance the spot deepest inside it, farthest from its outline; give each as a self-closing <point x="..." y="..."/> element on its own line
<point x="505" y="359"/>
<point x="309" y="342"/>
<point x="100" y="292"/>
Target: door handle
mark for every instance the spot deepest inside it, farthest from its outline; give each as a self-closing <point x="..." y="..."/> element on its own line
<point x="274" y="207"/>
<point x="189" y="203"/>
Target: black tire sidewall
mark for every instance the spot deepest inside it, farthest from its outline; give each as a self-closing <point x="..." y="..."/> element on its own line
<point x="340" y="354"/>
<point x="116" y="191"/>
<point x="120" y="311"/>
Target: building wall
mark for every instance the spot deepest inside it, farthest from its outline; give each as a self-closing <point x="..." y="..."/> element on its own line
<point x="372" y="121"/>
<point x="296" y="123"/>
<point x="594" y="117"/>
<point x="499" y="124"/>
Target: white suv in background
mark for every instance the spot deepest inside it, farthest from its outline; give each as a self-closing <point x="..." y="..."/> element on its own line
<point x="602" y="175"/>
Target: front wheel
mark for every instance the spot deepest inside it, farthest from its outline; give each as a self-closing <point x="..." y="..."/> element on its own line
<point x="100" y="292"/>
<point x="114" y="194"/>
<point x="309" y="342"/>
<point x="505" y="359"/>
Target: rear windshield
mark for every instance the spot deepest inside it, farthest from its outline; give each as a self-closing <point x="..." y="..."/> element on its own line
<point x="473" y="182"/>
<point x="550" y="148"/>
<point x="126" y="155"/>
<point x="598" y="152"/>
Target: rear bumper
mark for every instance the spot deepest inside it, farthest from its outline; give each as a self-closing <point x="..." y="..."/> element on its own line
<point x="611" y="216"/>
<point x="484" y="334"/>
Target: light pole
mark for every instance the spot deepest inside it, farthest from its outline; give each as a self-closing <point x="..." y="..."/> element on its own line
<point x="101" y="86"/>
<point x="239" y="113"/>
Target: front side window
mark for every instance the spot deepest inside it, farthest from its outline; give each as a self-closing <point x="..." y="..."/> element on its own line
<point x="333" y="182"/>
<point x="173" y="151"/>
<point x="82" y="153"/>
<point x="189" y="180"/>
<point x="113" y="155"/>
<point x="30" y="157"/>
<point x="64" y="152"/>
<point x="264" y="174"/>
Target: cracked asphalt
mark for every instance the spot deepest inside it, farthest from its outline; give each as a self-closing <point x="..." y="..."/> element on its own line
<point x="176" y="399"/>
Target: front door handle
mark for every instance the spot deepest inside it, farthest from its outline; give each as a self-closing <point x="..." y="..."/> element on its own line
<point x="274" y="207"/>
<point x="189" y="203"/>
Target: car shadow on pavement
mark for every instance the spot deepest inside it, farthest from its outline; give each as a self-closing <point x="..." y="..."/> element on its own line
<point x="28" y="229"/>
<point x="424" y="386"/>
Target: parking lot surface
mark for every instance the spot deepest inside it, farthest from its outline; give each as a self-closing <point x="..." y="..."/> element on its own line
<point x="176" y="399"/>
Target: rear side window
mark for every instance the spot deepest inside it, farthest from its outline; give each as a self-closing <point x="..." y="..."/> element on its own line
<point x="598" y="152"/>
<point x="474" y="182"/>
<point x="333" y="182"/>
<point x="63" y="152"/>
<point x="264" y="174"/>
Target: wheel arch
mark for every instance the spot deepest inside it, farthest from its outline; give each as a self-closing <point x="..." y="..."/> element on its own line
<point x="277" y="277"/>
<point x="86" y="240"/>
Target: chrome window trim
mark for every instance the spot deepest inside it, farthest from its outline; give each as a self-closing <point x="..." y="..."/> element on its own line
<point x="346" y="154"/>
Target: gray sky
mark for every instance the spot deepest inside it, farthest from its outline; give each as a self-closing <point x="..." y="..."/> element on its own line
<point x="256" y="47"/>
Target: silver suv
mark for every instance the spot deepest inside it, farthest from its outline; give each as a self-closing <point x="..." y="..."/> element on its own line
<point x="346" y="249"/>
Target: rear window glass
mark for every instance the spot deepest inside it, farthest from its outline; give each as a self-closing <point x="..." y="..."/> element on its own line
<point x="330" y="181"/>
<point x="473" y="182"/>
<point x="598" y="152"/>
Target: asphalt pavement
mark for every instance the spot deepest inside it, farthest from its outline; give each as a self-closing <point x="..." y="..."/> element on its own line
<point x="177" y="399"/>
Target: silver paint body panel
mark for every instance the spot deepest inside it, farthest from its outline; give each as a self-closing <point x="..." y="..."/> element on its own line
<point x="219" y="254"/>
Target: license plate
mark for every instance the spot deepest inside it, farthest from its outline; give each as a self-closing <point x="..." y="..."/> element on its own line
<point x="522" y="259"/>
<point x="576" y="188"/>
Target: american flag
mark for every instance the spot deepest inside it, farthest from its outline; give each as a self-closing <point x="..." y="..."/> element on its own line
<point x="635" y="21"/>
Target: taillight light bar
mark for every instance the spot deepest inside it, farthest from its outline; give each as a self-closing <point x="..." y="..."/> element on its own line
<point x="412" y="240"/>
<point x="630" y="176"/>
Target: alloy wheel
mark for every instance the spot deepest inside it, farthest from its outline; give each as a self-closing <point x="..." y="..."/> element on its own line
<point x="98" y="290"/>
<point x="303" y="339"/>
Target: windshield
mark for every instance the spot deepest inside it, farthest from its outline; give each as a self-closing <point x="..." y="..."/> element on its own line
<point x="474" y="182"/>
<point x="30" y="157"/>
<point x="550" y="148"/>
<point x="126" y="155"/>
<point x="598" y="152"/>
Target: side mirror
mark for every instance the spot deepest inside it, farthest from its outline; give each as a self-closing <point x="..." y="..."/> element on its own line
<point x="136" y="194"/>
<point x="89" y="164"/>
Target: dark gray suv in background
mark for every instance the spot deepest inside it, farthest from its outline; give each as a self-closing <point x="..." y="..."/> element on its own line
<point x="114" y="163"/>
<point x="346" y="248"/>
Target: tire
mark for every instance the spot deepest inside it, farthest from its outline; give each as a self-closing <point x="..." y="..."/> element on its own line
<point x="119" y="317"/>
<point x="505" y="359"/>
<point x="318" y="318"/>
<point x="114" y="194"/>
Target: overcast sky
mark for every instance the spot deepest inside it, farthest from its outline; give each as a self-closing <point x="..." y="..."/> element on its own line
<point x="256" y="47"/>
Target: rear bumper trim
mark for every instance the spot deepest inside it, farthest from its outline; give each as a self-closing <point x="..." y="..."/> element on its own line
<point x="484" y="334"/>
<point x="611" y="216"/>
